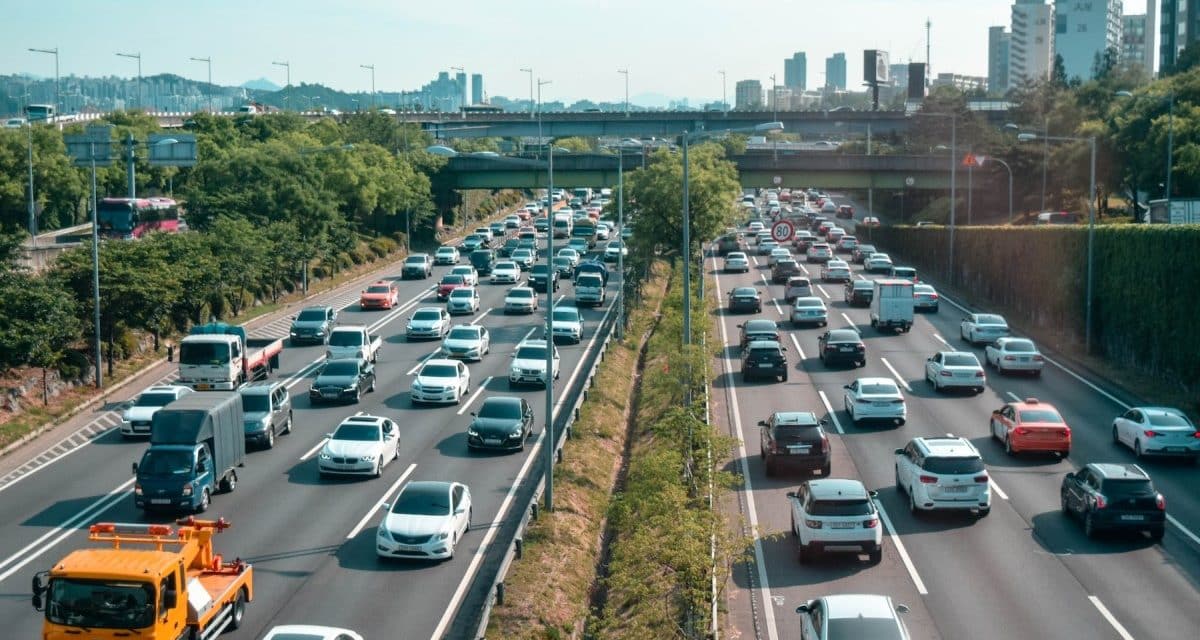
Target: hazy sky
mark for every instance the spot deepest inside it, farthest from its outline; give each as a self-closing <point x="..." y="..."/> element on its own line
<point x="671" y="47"/>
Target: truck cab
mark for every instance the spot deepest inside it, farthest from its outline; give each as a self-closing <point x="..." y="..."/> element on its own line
<point x="220" y="357"/>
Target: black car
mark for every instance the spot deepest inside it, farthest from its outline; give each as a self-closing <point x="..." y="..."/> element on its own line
<point x="342" y="379"/>
<point x="764" y="358"/>
<point x="541" y="224"/>
<point x="842" y="346"/>
<point x="510" y="245"/>
<point x="758" y="330"/>
<point x="784" y="269"/>
<point x="483" y="260"/>
<point x="744" y="300"/>
<point x="1107" y="496"/>
<point x="592" y="266"/>
<point x="563" y="266"/>
<point x="858" y="293"/>
<point x="727" y="243"/>
<point x="794" y="438"/>
<point x="862" y="252"/>
<point x="312" y="325"/>
<point x="503" y="422"/>
<point x="418" y="265"/>
<point x="537" y="278"/>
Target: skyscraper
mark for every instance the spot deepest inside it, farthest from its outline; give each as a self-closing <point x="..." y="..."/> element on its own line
<point x="795" y="71"/>
<point x="835" y="71"/>
<point x="476" y="88"/>
<point x="460" y="80"/>
<point x="1031" y="43"/>
<point x="1137" y="39"/>
<point x="999" y="43"/>
<point x="1180" y="29"/>
<point x="748" y="94"/>
<point x="1085" y="30"/>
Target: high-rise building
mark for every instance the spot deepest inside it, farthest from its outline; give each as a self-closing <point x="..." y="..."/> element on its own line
<point x="898" y="74"/>
<point x="476" y="88"/>
<point x="1180" y="29"/>
<point x="460" y="81"/>
<point x="795" y="71"/>
<point x="999" y="43"/>
<point x="1137" y="39"/>
<point x="748" y="94"/>
<point x="1084" y="31"/>
<point x="1031" y="42"/>
<point x="835" y="71"/>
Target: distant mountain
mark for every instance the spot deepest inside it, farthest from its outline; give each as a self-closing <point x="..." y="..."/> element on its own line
<point x="261" y="84"/>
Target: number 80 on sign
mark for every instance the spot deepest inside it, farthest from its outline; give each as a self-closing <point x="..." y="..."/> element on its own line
<point x="782" y="231"/>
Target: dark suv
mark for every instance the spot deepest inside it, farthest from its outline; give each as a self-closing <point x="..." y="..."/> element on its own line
<point x="537" y="278"/>
<point x="1114" y="496"/>
<point x="784" y="269"/>
<point x="764" y="358"/>
<point x="745" y="300"/>
<point x="858" y="293"/>
<point x="794" y="438"/>
<point x="483" y="260"/>
<point x="842" y="346"/>
<point x="728" y="243"/>
<point x="758" y="330"/>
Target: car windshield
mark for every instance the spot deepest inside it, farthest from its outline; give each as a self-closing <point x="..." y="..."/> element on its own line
<point x="1165" y="419"/>
<point x="100" y="604"/>
<point x="256" y="402"/>
<point x="204" y="353"/>
<point x="462" y="293"/>
<point x="427" y="316"/>
<point x="988" y="319"/>
<point x="463" y="270"/>
<point x="160" y="462"/>
<point x="742" y="292"/>
<point x="501" y="266"/>
<point x="501" y="409"/>
<point x="452" y="279"/>
<point x="521" y="293"/>
<point x="463" y="333"/>
<point x="854" y="507"/>
<point x="961" y="360"/>
<point x="311" y="315"/>
<point x="531" y="353"/>
<point x="357" y="432"/>
<point x="566" y="316"/>
<point x="345" y="339"/>
<point x="378" y="288"/>
<point x="415" y="261"/>
<point x="879" y="389"/>
<point x="154" y="399"/>
<point x="1118" y="489"/>
<point x="1040" y="415"/>
<point x="953" y="465"/>
<point x="562" y="261"/>
<point x="345" y="368"/>
<point x="423" y="501"/>
<point x="864" y="629"/>
<point x="438" y="371"/>
<point x="1019" y="346"/>
<point x="539" y="269"/>
<point x="521" y="253"/>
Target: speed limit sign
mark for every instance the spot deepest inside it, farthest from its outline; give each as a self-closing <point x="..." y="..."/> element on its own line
<point x="782" y="231"/>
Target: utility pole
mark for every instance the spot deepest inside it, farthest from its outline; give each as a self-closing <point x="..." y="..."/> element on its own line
<point x="287" y="65"/>
<point x="137" y="56"/>
<point x="371" y="68"/>
<point x="208" y="61"/>
<point x="57" y="86"/>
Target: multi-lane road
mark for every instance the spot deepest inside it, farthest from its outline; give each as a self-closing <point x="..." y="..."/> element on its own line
<point x="1025" y="571"/>
<point x="312" y="541"/>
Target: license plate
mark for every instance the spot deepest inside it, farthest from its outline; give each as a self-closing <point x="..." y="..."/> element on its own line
<point x="842" y="525"/>
<point x="1133" y="518"/>
<point x="407" y="547"/>
<point x="491" y="442"/>
<point x="1023" y="359"/>
<point x="765" y="365"/>
<point x="1177" y="449"/>
<point x="798" y="449"/>
<point x="846" y="348"/>
<point x="329" y="394"/>
<point x="203" y="386"/>
<point x="160" y="501"/>
<point x="954" y="489"/>
<point x="879" y="404"/>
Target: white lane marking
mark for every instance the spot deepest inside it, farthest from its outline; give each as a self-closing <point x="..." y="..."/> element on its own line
<point x="908" y="563"/>
<point x="837" y="424"/>
<point x="110" y="500"/>
<point x="295" y="379"/>
<point x="480" y="316"/>
<point x="755" y="260"/>
<point x="422" y="361"/>
<point x="797" y="343"/>
<point x="315" y="449"/>
<point x="529" y="333"/>
<point x="805" y="269"/>
<point x="1112" y="620"/>
<point x="386" y="495"/>
<point x="759" y="560"/>
<point x="773" y="300"/>
<point x="1183" y="529"/>
<point x="940" y="339"/>
<point x="896" y="375"/>
<point x="823" y="291"/>
<point x="1012" y="395"/>
<point x="849" y="321"/>
<point x="996" y="488"/>
<point x="466" y="405"/>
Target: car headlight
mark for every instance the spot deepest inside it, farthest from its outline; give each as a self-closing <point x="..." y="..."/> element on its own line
<point x="441" y="536"/>
<point x="350" y="388"/>
<point x="383" y="533"/>
<point x="293" y="332"/>
<point x="368" y="458"/>
<point x="187" y="489"/>
<point x="518" y="430"/>
<point x="326" y="456"/>
<point x="514" y="369"/>
<point x="264" y="423"/>
<point x="137" y="489"/>
<point x="312" y="388"/>
<point x="472" y="433"/>
<point x="416" y="385"/>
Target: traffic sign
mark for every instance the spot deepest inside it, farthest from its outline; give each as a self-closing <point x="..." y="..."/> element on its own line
<point x="778" y="180"/>
<point x="782" y="231"/>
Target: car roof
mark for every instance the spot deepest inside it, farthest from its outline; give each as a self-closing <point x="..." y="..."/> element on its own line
<point x="534" y="342"/>
<point x="957" y="353"/>
<point x="759" y="324"/>
<point x="833" y="488"/>
<point x="1034" y="403"/>
<point x="844" y="334"/>
<point x="856" y="605"/>
<point x="168" y="388"/>
<point x="948" y="447"/>
<point x="261" y="387"/>
<point x="879" y="380"/>
<point x="420" y="309"/>
<point x="796" y="417"/>
<point x="798" y="279"/>
<point x="438" y="361"/>
<point x="745" y="290"/>
<point x="363" y="418"/>
<point x="1118" y="471"/>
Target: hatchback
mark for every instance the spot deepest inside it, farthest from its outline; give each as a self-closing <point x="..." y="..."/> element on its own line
<point x="1114" y="496"/>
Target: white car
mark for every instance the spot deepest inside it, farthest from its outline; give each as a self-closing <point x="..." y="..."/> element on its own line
<point x="467" y="342"/>
<point x="567" y="323"/>
<point x="754" y="227"/>
<point x="446" y="255"/>
<point x="809" y="310"/>
<point x="523" y="258"/>
<point x="137" y="418"/>
<point x="925" y="298"/>
<point x="506" y="272"/>
<point x="468" y="272"/>
<point x="978" y="328"/>
<point x="521" y="300"/>
<point x="428" y="322"/>
<point x="1159" y="431"/>
<point x="441" y="380"/>
<point x="529" y="363"/>
<point x="765" y="247"/>
<point x="955" y="369"/>
<point x="777" y="254"/>
<point x="874" y="399"/>
<point x="835" y="271"/>
<point x="512" y="221"/>
<point x="945" y="472"/>
<point x="426" y="520"/>
<point x="463" y="300"/>
<point x="818" y="252"/>
<point x="570" y="254"/>
<point x="361" y="445"/>
<point x="737" y="261"/>
<point x="310" y="632"/>
<point x="835" y="515"/>
<point x="852" y="616"/>
<point x="603" y="232"/>
<point x="15" y="123"/>
<point x="878" y="262"/>
<point x="1014" y="354"/>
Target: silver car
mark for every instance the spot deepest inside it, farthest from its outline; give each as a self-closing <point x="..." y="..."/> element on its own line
<point x="463" y="300"/>
<point x="737" y="261"/>
<point x="1014" y="354"/>
<point x="467" y="342"/>
<point x="809" y="310"/>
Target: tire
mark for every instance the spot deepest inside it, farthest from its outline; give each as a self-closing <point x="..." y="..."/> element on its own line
<point x="378" y="469"/>
<point x="229" y="483"/>
<point x="239" y="610"/>
<point x="1137" y="450"/>
<point x="826" y="470"/>
<point x="876" y="556"/>
<point x="357" y="395"/>
<point x="287" y="425"/>
<point x="912" y="505"/>
<point x="785" y="376"/>
<point x="270" y="444"/>
<point x="1062" y="504"/>
<point x="1008" y="449"/>
<point x="371" y="389"/>
<point x="1115" y="438"/>
<point x="804" y="554"/>
<point x="205" y="500"/>
<point x="1089" y="526"/>
<point x="792" y="530"/>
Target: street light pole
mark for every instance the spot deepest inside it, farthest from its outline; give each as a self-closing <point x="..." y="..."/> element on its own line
<point x="1170" y="146"/>
<point x="621" y="241"/>
<point x="724" y="99"/>
<point x="687" y="253"/>
<point x="530" y="72"/>
<point x="625" y="72"/>
<point x="208" y="61"/>
<point x="1010" y="188"/>
<point x="774" y="116"/>
<point x="541" y="141"/>
<point x="371" y="68"/>
<point x="287" y="65"/>
<point x="96" y="272"/>
<point x="550" y="440"/>
<point x="57" y="87"/>
<point x="136" y="56"/>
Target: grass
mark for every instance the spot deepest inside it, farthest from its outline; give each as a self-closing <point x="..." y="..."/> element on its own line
<point x="548" y="590"/>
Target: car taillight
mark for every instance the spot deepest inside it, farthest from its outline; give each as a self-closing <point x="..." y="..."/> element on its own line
<point x="933" y="296"/>
<point x="862" y="347"/>
<point x="1010" y="358"/>
<point x="1099" y="501"/>
<point x="830" y="347"/>
<point x="871" y="524"/>
<point x="898" y="401"/>
<point x="824" y="445"/>
<point x="1149" y="433"/>
<point x="979" y="374"/>
<point x="1038" y="359"/>
<point x="1160" y="502"/>
<point x="773" y="447"/>
<point x="946" y="374"/>
<point x="1020" y="431"/>
<point x="982" y="478"/>
<point x="928" y="480"/>
<point x="1196" y="435"/>
<point x="812" y="524"/>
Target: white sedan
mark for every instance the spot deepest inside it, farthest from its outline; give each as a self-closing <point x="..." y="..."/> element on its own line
<point x="426" y="521"/>
<point x="836" y="271"/>
<point x="467" y="342"/>
<point x="878" y="262"/>
<point x="361" y="445"/>
<point x="1014" y="354"/>
<point x="521" y="300"/>
<point x="506" y="272"/>
<point x="955" y="369"/>
<point x="310" y="632"/>
<point x="570" y="254"/>
<point x="978" y="328"/>
<point x="777" y="254"/>
<point x="446" y="255"/>
<point x="737" y="261"/>
<point x="463" y="300"/>
<point x="428" y="322"/>
<point x="874" y="399"/>
<point x="441" y="380"/>
<point x="468" y="272"/>
<point x="1159" y="431"/>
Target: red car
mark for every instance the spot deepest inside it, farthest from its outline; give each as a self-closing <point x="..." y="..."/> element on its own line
<point x="380" y="295"/>
<point x="448" y="283"/>
<point x="845" y="211"/>
<point x="1031" y="426"/>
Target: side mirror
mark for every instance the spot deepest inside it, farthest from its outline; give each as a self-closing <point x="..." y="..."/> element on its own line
<point x="385" y="505"/>
<point x="902" y="608"/>
<point x="762" y="423"/>
<point x="802" y="609"/>
<point x="791" y="494"/>
<point x="135" y="468"/>
<point x="472" y="414"/>
<point x="824" y="422"/>
<point x="873" y="494"/>
<point x="1070" y="476"/>
<point x="170" y="599"/>
<point x="898" y="452"/>
<point x="37" y="601"/>
<point x="845" y="386"/>
<point x="996" y="412"/>
<point x="201" y="467"/>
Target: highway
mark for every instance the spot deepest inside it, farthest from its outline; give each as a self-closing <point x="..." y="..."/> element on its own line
<point x="1025" y="571"/>
<point x="312" y="541"/>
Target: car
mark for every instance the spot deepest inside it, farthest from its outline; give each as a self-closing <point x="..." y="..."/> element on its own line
<point x="878" y="263"/>
<point x="542" y="278"/>
<point x="449" y="283"/>
<point x="1157" y="431"/>
<point x="955" y="369"/>
<point x="468" y="272"/>
<point x="562" y="266"/>
<point x="310" y="632"/>
<point x="835" y="271"/>
<point x="835" y="514"/>
<point x="727" y="243"/>
<point x="861" y="252"/>
<point x="529" y="363"/>
<point x="626" y="232"/>
<point x="266" y="412"/>
<point x="744" y="300"/>
<point x="467" y="342"/>
<point x="508" y="247"/>
<point x="809" y="310"/>
<point x="823" y="228"/>
<point x="418" y="265"/>
<point x="904" y="273"/>
<point x="803" y="239"/>
<point x="428" y="322"/>
<point x="529" y="244"/>
<point x="614" y="250"/>
<point x="845" y="211"/>
<point x="783" y="269"/>
<point x="870" y="222"/>
<point x="1014" y="354"/>
<point x="1031" y="425"/>
<point x="981" y="328"/>
<point x="502" y="422"/>
<point x="765" y="247"/>
<point x="603" y="231"/>
<point x="463" y="300"/>
<point x="842" y="345"/>
<point x="764" y="358"/>
<point x="852" y="617"/>
<point x="846" y="244"/>
<point x="440" y="380"/>
<point x="342" y="379"/>
<point x="524" y="258"/>
<point x="796" y="439"/>
<point x="446" y="255"/>
<point x="520" y="300"/>
<point x="380" y="295"/>
<point x="481" y="260"/>
<point x="818" y="252"/>
<point x="541" y="225"/>
<point x="580" y="245"/>
<point x="506" y="272"/>
<point x="817" y="222"/>
<point x="874" y="399"/>
<point x="796" y="287"/>
<point x="312" y="325"/>
<point x="593" y="266"/>
<point x="925" y="298"/>
<point x="498" y="229"/>
<point x="943" y="473"/>
<point x="567" y="324"/>
<point x="15" y="123"/>
<point x="757" y="329"/>
<point x="835" y="235"/>
<point x="1110" y="496"/>
<point x="735" y="262"/>
<point x="425" y="521"/>
<point x="829" y="206"/>
<point x="570" y="254"/>
<point x="473" y="242"/>
<point x="754" y="228"/>
<point x="512" y="222"/>
<point x="858" y="293"/>
<point x="777" y="254"/>
<point x="136" y="420"/>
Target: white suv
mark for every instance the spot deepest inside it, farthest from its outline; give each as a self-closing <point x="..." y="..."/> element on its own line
<point x="835" y="515"/>
<point x="943" y="473"/>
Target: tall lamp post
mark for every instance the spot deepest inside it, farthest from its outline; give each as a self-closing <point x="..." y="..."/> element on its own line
<point x="208" y="61"/>
<point x="1010" y="185"/>
<point x="625" y="72"/>
<point x="724" y="99"/>
<point x="57" y="87"/>
<point x="287" y="65"/>
<point x="136" y="56"/>
<point x="371" y="68"/>
<point x="550" y="439"/>
<point x="541" y="141"/>
<point x="1170" y="97"/>
<point x="530" y="72"/>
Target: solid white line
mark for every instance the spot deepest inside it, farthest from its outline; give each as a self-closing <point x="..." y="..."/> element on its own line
<point x="804" y="268"/>
<point x="528" y="333"/>
<point x="466" y="405"/>
<point x="313" y="450"/>
<point x="823" y="291"/>
<point x="851" y="322"/>
<point x="773" y="300"/>
<point x="480" y="316"/>
<point x="1112" y="620"/>
<point x="837" y="424"/>
<point x="1012" y="395"/>
<point x="295" y="379"/>
<point x="896" y="375"/>
<point x="996" y="488"/>
<point x="755" y="260"/>
<point x="1185" y="530"/>
<point x="422" y="361"/>
<point x="386" y="495"/>
<point x="908" y="563"/>
<point x="940" y="339"/>
<point x="797" y="343"/>
<point x="50" y="461"/>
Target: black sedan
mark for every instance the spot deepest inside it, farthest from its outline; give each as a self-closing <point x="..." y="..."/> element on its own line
<point x="858" y="293"/>
<point x="503" y="422"/>
<point x="842" y="346"/>
<point x="745" y="300"/>
<point x="758" y="330"/>
<point x="342" y="379"/>
<point x="764" y="358"/>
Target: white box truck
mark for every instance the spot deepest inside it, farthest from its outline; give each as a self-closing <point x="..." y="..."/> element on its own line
<point x="892" y="305"/>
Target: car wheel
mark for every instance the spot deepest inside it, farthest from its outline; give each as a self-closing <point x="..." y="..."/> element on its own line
<point x="1157" y="534"/>
<point x="204" y="501"/>
<point x="912" y="504"/>
<point x="239" y="610"/>
<point x="804" y="553"/>
<point x="1137" y="449"/>
<point x="1008" y="448"/>
<point x="229" y="483"/>
<point x="378" y="469"/>
<point x="792" y="529"/>
<point x="876" y="556"/>
<point x="371" y="388"/>
<point x="1115" y="436"/>
<point x="899" y="487"/>
<point x="962" y="334"/>
<point x="1089" y="526"/>
<point x="287" y="425"/>
<point x="357" y="394"/>
<point x="937" y="386"/>
<point x="770" y="467"/>
<point x="983" y="513"/>
<point x="270" y="444"/>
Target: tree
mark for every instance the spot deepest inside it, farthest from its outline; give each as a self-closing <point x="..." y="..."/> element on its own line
<point x="38" y="322"/>
<point x="576" y="144"/>
<point x="1058" y="75"/>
